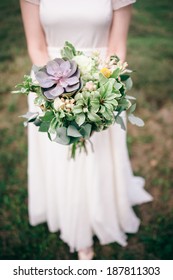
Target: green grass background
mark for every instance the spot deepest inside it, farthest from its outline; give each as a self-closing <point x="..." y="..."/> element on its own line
<point x="150" y="53"/>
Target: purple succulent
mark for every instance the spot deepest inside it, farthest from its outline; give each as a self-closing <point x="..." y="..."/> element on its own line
<point x="58" y="76"/>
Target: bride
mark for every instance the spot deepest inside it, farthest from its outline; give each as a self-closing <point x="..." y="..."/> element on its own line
<point x="94" y="194"/>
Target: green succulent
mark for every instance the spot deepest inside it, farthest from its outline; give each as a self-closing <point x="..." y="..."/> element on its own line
<point x="86" y="107"/>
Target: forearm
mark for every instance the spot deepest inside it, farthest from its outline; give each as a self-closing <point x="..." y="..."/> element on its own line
<point x="35" y="37"/>
<point x="119" y="32"/>
<point x="38" y="56"/>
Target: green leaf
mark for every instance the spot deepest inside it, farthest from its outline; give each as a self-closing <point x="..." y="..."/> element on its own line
<point x="68" y="51"/>
<point x="95" y="101"/>
<point x="124" y="77"/>
<point x="95" y="108"/>
<point x="132" y="108"/>
<point x="62" y="114"/>
<point x="37" y="122"/>
<point x="44" y="127"/>
<point x="107" y="89"/>
<point x="78" y="96"/>
<point x="128" y="83"/>
<point x="39" y="101"/>
<point x="49" y="115"/>
<point x="108" y="106"/>
<point x="102" y="109"/>
<point x="109" y="86"/>
<point x="53" y="125"/>
<point x="77" y="109"/>
<point x="117" y="85"/>
<point x="114" y="103"/>
<point x="93" y="117"/>
<point x="111" y="97"/>
<point x="71" y="47"/>
<point x="102" y="79"/>
<point x="125" y="103"/>
<point x="116" y="73"/>
<point x="73" y="131"/>
<point x="80" y="119"/>
<point x="107" y="115"/>
<point x="85" y="130"/>
<point x="61" y="136"/>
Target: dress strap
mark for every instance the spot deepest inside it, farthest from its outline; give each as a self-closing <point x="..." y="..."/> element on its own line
<point x="117" y="4"/>
<point x="36" y="2"/>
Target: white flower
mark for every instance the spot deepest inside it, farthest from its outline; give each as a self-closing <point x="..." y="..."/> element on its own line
<point x="58" y="103"/>
<point x="85" y="63"/>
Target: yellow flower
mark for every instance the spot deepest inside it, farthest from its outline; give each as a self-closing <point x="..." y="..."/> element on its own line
<point x="106" y="72"/>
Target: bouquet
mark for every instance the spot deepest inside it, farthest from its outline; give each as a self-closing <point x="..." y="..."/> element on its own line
<point x="78" y="95"/>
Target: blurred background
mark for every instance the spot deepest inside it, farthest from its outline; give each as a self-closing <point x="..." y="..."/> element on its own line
<point x="150" y="54"/>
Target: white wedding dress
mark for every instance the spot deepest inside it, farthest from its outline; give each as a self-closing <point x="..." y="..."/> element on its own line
<point x="94" y="194"/>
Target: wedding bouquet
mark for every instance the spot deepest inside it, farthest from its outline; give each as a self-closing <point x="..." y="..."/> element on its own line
<point x="77" y="95"/>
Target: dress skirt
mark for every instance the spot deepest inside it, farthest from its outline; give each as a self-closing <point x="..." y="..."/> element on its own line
<point x="91" y="195"/>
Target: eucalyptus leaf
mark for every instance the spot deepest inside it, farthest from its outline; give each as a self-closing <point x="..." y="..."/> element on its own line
<point x="117" y="85"/>
<point x="120" y="121"/>
<point x="132" y="108"/>
<point x="73" y="131"/>
<point x="35" y="68"/>
<point x="128" y="83"/>
<point x="125" y="103"/>
<point x="61" y="136"/>
<point x="130" y="97"/>
<point x="37" y="122"/>
<point x="30" y="116"/>
<point x="135" y="120"/>
<point x="85" y="130"/>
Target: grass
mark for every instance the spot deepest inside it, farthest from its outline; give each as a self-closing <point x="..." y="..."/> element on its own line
<point x="150" y="54"/>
